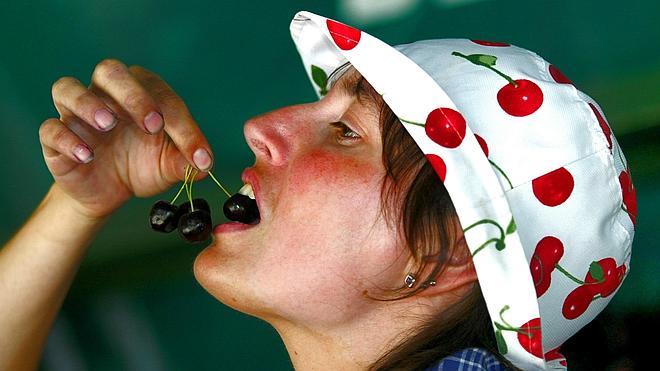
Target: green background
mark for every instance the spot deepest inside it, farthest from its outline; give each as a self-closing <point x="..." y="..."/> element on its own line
<point x="135" y="304"/>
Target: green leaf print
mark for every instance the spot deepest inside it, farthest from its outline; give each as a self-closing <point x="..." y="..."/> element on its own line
<point x="501" y="344"/>
<point x="320" y="78"/>
<point x="596" y="271"/>
<point x="512" y="227"/>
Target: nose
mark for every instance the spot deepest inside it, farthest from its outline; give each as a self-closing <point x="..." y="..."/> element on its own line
<point x="270" y="135"/>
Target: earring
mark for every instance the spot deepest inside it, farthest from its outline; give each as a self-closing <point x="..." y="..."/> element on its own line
<point x="428" y="283"/>
<point x="409" y="280"/>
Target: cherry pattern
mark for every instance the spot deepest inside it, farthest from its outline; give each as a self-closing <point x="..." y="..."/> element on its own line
<point x="603" y="125"/>
<point x="444" y="126"/>
<point x="484" y="147"/>
<point x="629" y="196"/>
<point x="558" y="76"/>
<point x="601" y="280"/>
<point x="553" y="188"/>
<point x="346" y="37"/>
<point x="490" y="43"/>
<point x="554" y="354"/>
<point x="500" y="244"/>
<point x="482" y="144"/>
<point x="438" y="165"/>
<point x="547" y="254"/>
<point x="529" y="335"/>
<point x="518" y="98"/>
<point x="320" y="78"/>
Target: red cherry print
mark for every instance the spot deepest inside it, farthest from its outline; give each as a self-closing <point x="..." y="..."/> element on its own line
<point x="577" y="302"/>
<point x="482" y="144"/>
<point x="629" y="195"/>
<point x="446" y="127"/>
<point x="438" y="165"/>
<point x="553" y="188"/>
<point x="558" y="76"/>
<point x="548" y="252"/>
<point x="603" y="125"/>
<point x="346" y="37"/>
<point x="554" y="354"/>
<point x="530" y="338"/>
<point x="612" y="278"/>
<point x="489" y="43"/>
<point x="522" y="100"/>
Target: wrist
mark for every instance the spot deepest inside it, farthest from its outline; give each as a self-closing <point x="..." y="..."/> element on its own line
<point x="72" y="207"/>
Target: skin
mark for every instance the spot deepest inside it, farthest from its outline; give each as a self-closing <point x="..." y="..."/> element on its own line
<point x="321" y="241"/>
<point x="309" y="283"/>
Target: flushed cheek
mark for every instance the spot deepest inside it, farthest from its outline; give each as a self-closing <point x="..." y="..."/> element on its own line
<point x="328" y="239"/>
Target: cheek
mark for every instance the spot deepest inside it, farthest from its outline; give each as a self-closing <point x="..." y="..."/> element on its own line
<point x="329" y="229"/>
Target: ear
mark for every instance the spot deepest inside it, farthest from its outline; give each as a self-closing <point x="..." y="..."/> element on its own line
<point x="459" y="273"/>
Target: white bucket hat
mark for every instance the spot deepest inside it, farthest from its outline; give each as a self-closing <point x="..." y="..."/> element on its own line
<point x="538" y="180"/>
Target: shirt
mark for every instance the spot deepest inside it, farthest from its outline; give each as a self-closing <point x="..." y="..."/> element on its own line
<point x="468" y="359"/>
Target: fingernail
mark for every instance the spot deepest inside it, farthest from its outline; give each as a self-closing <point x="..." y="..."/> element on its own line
<point x="82" y="153"/>
<point x="153" y="122"/>
<point x="202" y="159"/>
<point x="104" y="119"/>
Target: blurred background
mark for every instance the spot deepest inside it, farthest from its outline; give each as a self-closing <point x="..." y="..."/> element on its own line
<point x="135" y="304"/>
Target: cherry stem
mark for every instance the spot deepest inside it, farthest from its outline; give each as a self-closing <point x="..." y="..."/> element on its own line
<point x="483" y="245"/>
<point x="512" y="328"/>
<point x="218" y="183"/>
<point x="567" y="274"/>
<point x="488" y="221"/>
<point x="411" y="122"/>
<point x="501" y="172"/>
<point x="510" y="80"/>
<point x="185" y="180"/>
<point x="190" y="185"/>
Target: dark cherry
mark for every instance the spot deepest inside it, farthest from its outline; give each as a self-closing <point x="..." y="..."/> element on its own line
<point x="241" y="208"/>
<point x="195" y="226"/>
<point x="198" y="203"/>
<point x="164" y="217"/>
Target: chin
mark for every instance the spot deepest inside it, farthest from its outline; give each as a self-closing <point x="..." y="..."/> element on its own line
<point x="215" y="277"/>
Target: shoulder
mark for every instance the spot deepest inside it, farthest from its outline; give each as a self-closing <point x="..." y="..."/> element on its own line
<point x="468" y="359"/>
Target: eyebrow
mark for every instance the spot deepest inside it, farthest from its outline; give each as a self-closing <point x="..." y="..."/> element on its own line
<point x="357" y="86"/>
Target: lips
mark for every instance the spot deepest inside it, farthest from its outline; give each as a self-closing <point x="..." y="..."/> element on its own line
<point x="250" y="176"/>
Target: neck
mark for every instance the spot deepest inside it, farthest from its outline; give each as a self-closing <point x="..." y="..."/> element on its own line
<point x="350" y="346"/>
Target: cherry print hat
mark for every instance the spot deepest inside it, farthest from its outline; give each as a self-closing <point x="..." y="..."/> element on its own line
<point x="539" y="182"/>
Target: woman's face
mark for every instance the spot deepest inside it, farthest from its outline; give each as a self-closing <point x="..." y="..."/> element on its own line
<point x="321" y="241"/>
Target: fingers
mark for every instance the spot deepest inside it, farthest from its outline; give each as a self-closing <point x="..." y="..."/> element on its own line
<point x="72" y="98"/>
<point x="113" y="78"/>
<point x="58" y="140"/>
<point x="179" y="124"/>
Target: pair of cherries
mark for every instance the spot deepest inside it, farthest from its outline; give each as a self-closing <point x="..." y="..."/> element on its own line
<point x="193" y="217"/>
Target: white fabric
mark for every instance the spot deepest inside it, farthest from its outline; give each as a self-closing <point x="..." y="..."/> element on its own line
<point x="551" y="130"/>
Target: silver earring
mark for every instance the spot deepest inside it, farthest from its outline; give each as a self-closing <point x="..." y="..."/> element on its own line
<point x="409" y="280"/>
<point x="429" y="283"/>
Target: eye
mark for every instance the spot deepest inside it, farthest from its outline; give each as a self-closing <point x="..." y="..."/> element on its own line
<point x="344" y="133"/>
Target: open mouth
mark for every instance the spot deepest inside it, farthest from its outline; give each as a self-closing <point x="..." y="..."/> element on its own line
<point x="241" y="209"/>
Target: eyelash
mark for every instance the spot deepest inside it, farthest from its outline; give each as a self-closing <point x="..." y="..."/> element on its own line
<point x="342" y="130"/>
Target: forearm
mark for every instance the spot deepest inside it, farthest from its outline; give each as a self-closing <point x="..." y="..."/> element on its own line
<point x="37" y="267"/>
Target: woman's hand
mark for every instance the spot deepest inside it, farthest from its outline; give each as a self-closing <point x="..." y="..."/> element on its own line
<point x="109" y="142"/>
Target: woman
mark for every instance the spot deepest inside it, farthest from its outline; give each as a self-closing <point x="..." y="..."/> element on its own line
<point x="439" y="205"/>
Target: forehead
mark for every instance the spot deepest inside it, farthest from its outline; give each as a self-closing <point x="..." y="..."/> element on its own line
<point x="349" y="81"/>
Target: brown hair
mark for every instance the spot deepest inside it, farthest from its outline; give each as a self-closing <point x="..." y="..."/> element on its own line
<point x="413" y="195"/>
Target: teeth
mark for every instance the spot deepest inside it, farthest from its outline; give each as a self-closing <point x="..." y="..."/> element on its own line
<point x="247" y="190"/>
